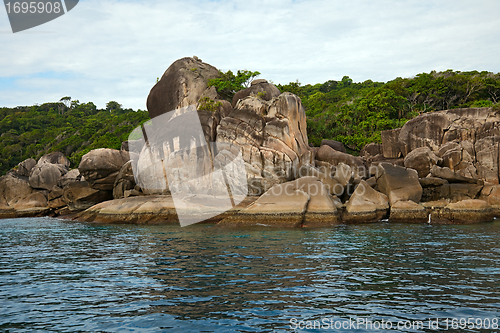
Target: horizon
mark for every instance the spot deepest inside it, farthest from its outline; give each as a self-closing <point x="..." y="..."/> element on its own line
<point x="258" y="77"/>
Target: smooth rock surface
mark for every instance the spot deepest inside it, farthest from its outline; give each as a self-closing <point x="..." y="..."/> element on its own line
<point x="182" y="84"/>
<point x="365" y="205"/>
<point x="398" y="183"/>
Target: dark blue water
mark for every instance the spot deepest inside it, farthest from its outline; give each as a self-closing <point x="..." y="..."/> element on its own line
<point x="65" y="276"/>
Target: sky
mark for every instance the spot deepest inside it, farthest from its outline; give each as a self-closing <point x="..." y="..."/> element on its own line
<point x="113" y="50"/>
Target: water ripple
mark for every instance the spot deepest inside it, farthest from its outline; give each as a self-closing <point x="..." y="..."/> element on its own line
<point x="62" y="276"/>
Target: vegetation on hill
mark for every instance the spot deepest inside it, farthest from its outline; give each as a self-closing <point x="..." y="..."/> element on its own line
<point x="355" y="113"/>
<point x="70" y="127"/>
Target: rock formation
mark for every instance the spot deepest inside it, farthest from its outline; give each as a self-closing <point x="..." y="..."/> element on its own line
<point x="182" y="84"/>
<point x="440" y="167"/>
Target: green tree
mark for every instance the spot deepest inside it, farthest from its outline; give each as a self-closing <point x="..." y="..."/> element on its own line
<point x="227" y="84"/>
<point x="113" y="106"/>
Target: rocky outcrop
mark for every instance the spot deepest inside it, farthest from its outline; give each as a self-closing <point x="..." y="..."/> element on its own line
<point x="467" y="140"/>
<point x="440" y="167"/>
<point x="272" y="136"/>
<point x="182" y="84"/>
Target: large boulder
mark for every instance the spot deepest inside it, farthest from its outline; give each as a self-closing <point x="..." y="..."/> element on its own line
<point x="45" y="175"/>
<point x="55" y="158"/>
<point x="24" y="167"/>
<point x="334" y="157"/>
<point x="408" y="212"/>
<point x="451" y="176"/>
<point x="124" y="181"/>
<point x="182" y="84"/>
<point x="14" y="188"/>
<point x="390" y="143"/>
<point x="34" y="200"/>
<point x="331" y="184"/>
<point x="421" y="159"/>
<point x="101" y="166"/>
<point x="336" y="145"/>
<point x="426" y="130"/>
<point x="261" y="88"/>
<point x="365" y="205"/>
<point x="321" y="210"/>
<point x="304" y="202"/>
<point x="343" y="174"/>
<point x="398" y="183"/>
<point x="80" y="196"/>
<point x="371" y="150"/>
<point x="281" y="206"/>
<point x="71" y="177"/>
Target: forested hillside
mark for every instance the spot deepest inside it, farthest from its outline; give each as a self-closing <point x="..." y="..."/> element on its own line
<point x="355" y="113"/>
<point x="67" y="126"/>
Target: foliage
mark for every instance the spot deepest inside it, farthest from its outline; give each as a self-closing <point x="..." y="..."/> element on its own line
<point x="227" y="84"/>
<point x="261" y="94"/>
<point x="208" y="104"/>
<point x="70" y="127"/>
<point x="356" y="113"/>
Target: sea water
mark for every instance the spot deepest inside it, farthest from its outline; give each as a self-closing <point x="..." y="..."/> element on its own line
<point x="62" y="276"/>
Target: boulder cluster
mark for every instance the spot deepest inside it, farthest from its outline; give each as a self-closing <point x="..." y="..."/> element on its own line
<point x="440" y="167"/>
<point x="49" y="188"/>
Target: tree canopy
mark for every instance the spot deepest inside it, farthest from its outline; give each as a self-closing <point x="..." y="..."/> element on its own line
<point x="70" y="127"/>
<point x="227" y="84"/>
<point x="356" y="113"/>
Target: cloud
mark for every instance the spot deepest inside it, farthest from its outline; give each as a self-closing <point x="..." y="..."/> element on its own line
<point x="114" y="50"/>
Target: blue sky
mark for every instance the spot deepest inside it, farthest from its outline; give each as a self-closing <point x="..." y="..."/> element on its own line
<point x="114" y="50"/>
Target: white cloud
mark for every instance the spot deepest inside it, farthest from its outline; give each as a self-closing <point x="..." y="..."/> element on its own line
<point x="113" y="50"/>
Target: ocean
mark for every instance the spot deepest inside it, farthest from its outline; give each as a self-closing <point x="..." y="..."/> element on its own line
<point x="65" y="276"/>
